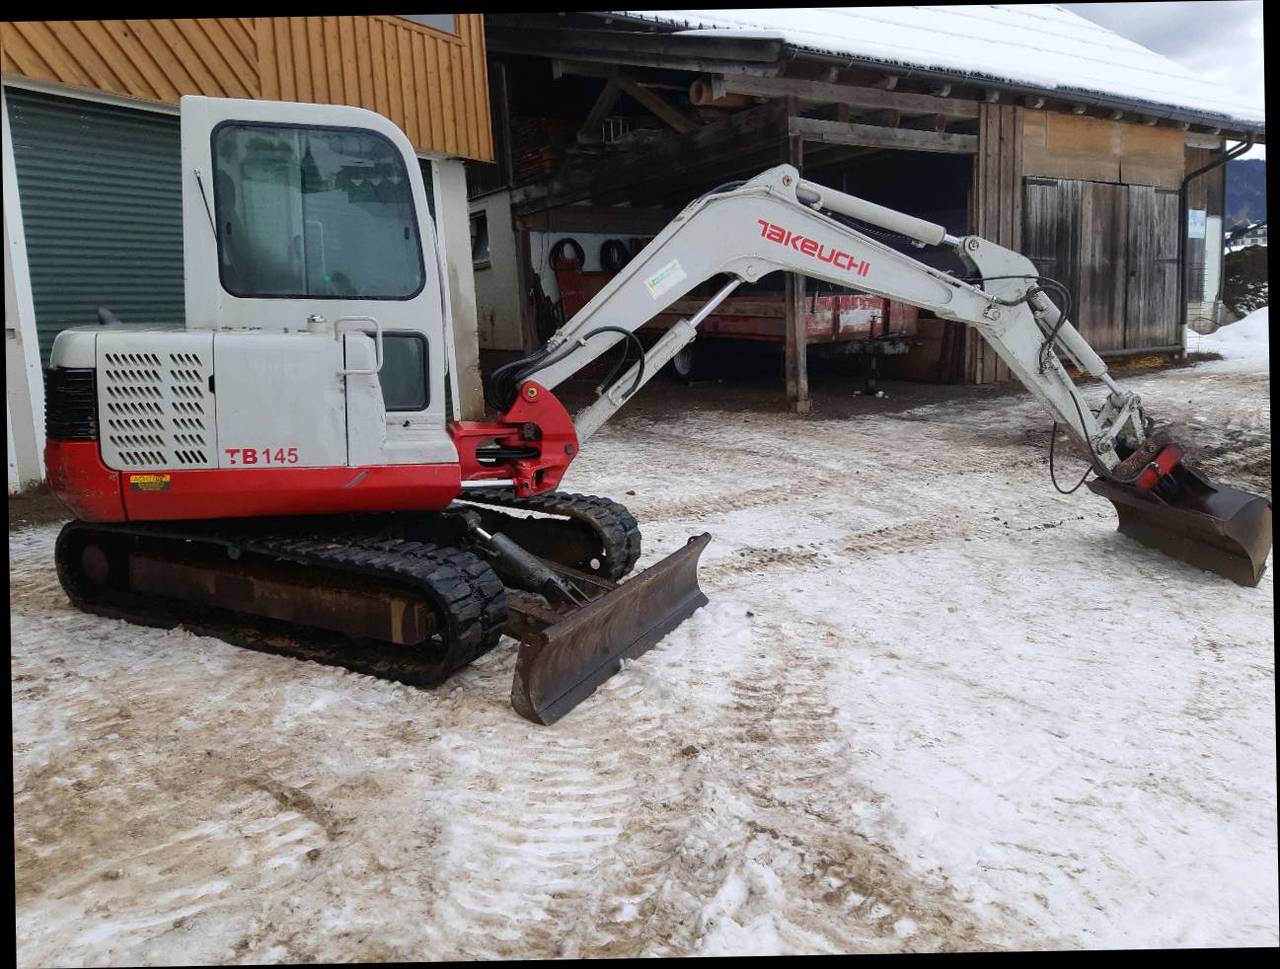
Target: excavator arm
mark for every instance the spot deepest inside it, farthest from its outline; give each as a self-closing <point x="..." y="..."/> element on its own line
<point x="778" y="221"/>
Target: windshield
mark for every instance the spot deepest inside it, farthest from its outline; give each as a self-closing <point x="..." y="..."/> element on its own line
<point x="314" y="212"/>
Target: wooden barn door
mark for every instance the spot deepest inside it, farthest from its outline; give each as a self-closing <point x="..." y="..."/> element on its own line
<point x="1115" y="248"/>
<point x="1151" y="303"/>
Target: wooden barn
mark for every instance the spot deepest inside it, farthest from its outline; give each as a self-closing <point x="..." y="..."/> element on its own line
<point x="1045" y="132"/>
<point x="91" y="190"/>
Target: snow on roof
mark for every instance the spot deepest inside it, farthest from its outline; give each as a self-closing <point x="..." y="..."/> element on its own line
<point x="1042" y="46"/>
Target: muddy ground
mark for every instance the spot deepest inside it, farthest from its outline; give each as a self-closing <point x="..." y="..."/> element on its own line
<point x="932" y="705"/>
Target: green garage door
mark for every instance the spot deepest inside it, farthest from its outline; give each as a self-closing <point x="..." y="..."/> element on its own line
<point x="101" y="210"/>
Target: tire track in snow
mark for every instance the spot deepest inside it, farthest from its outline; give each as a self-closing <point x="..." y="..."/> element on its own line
<point x="799" y="825"/>
<point x="523" y="836"/>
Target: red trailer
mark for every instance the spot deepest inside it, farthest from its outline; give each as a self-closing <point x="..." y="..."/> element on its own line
<point x="852" y="323"/>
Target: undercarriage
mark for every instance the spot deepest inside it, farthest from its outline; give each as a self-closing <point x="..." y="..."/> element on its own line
<point x="405" y="596"/>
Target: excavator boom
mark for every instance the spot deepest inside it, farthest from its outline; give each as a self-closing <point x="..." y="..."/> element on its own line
<point x="779" y="221"/>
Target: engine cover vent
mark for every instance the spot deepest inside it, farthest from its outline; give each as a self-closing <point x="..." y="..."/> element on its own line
<point x="71" y="404"/>
<point x="156" y="410"/>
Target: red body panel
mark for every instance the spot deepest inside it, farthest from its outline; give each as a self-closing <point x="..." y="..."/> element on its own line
<point x="256" y="492"/>
<point x="79" y="479"/>
<point x="536" y="419"/>
<point x="96" y="493"/>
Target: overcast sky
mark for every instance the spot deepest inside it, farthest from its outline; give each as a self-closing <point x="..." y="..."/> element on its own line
<point x="1219" y="39"/>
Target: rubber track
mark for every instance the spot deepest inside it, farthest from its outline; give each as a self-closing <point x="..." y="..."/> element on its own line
<point x="463" y="587"/>
<point x="616" y="527"/>
<point x="459" y="585"/>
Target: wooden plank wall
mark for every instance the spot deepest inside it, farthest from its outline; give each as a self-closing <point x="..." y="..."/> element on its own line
<point x="432" y="84"/>
<point x="1151" y="309"/>
<point x="995" y="214"/>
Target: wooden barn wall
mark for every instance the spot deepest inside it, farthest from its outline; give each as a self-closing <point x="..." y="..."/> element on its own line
<point x="995" y="214"/>
<point x="434" y="85"/>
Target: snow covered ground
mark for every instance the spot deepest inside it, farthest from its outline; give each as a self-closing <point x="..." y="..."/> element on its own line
<point x="933" y="704"/>
<point x="1243" y="345"/>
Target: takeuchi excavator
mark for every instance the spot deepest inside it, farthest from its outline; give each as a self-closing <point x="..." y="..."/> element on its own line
<point x="282" y="471"/>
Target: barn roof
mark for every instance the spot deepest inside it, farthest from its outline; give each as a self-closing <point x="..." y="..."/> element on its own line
<point x="1042" y="48"/>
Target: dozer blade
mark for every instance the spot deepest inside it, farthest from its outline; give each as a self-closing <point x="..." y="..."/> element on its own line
<point x="560" y="665"/>
<point x="1211" y="526"/>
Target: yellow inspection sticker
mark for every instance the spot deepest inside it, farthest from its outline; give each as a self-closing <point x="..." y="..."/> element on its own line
<point x="150" y="482"/>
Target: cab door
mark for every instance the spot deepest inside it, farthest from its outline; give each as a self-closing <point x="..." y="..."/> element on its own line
<point x="313" y="219"/>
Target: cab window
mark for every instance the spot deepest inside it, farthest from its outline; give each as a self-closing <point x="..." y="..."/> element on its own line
<point x="314" y="212"/>
<point x="404" y="372"/>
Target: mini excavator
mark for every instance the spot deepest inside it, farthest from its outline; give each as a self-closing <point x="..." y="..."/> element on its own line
<point x="283" y="471"/>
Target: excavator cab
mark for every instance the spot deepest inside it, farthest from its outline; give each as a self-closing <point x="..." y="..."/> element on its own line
<point x="303" y="218"/>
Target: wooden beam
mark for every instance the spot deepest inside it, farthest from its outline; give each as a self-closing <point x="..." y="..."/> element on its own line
<point x="868" y="98"/>
<point x="524" y="283"/>
<point x="721" y="145"/>
<point x="888" y="82"/>
<point x="621" y="219"/>
<point x="795" y="342"/>
<point x="590" y="131"/>
<point x="699" y="65"/>
<point x="1195" y="139"/>
<point x="702" y="93"/>
<point x="991" y="96"/>
<point x="607" y="44"/>
<point x="642" y="95"/>
<point x="942" y="90"/>
<point x="926" y="122"/>
<point x="835" y="133"/>
<point x="657" y="106"/>
<point x="1033" y="101"/>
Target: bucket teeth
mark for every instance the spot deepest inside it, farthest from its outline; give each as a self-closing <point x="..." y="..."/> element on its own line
<point x="560" y="665"/>
<point x="1211" y="526"/>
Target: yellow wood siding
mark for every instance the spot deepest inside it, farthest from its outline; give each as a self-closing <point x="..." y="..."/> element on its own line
<point x="432" y="84"/>
<point x="1101" y="150"/>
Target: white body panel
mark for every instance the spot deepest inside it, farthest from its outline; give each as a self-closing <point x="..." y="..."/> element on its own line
<point x="274" y="400"/>
<point x="364" y="403"/>
<point x="280" y="395"/>
<point x="155" y="407"/>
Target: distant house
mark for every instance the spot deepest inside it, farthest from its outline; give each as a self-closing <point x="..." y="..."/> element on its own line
<point x="1247" y="235"/>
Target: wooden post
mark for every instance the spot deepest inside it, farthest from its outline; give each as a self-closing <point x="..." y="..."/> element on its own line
<point x="524" y="271"/>
<point x="795" y="347"/>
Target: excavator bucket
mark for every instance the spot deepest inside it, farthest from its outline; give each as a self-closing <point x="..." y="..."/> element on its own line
<point x="564" y="656"/>
<point x="1211" y="526"/>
